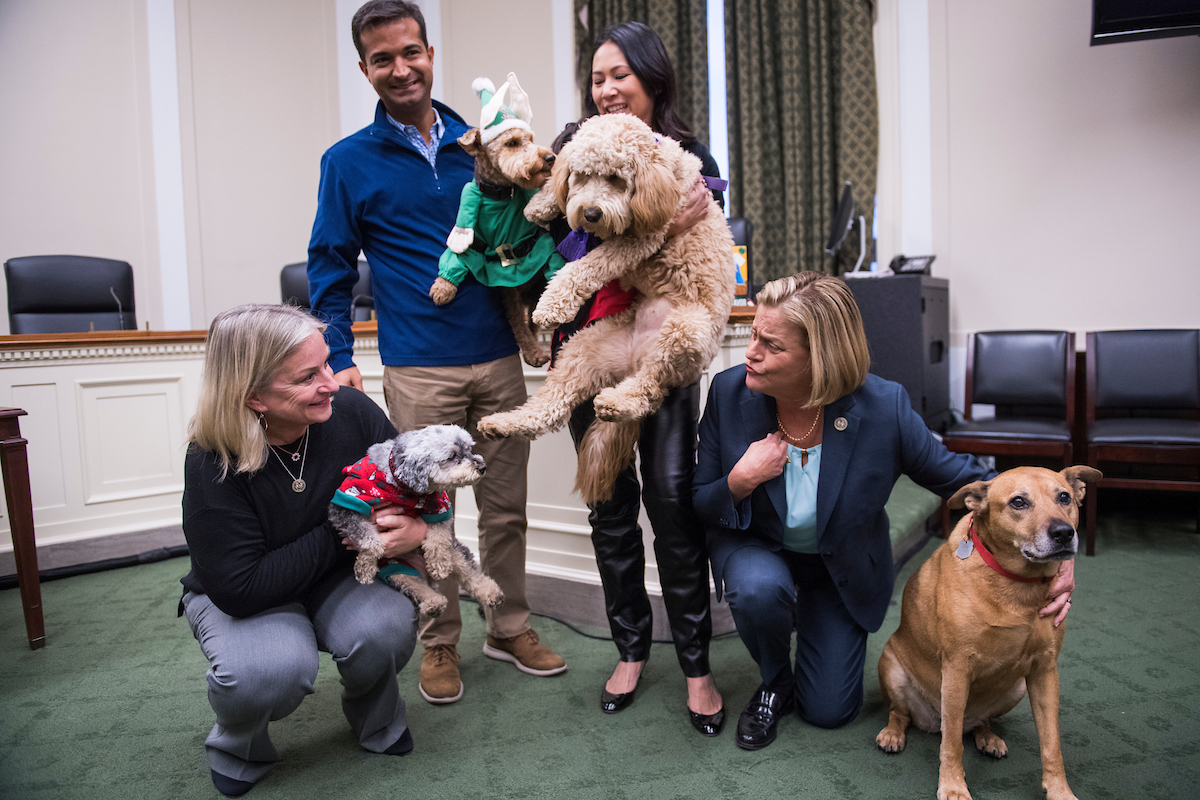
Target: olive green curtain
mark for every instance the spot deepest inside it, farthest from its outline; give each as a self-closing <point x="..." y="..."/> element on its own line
<point x="803" y="119"/>
<point x="683" y="26"/>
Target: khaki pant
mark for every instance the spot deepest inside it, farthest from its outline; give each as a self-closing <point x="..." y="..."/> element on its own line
<point x="421" y="396"/>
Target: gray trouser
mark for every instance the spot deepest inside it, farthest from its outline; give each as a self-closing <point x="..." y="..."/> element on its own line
<point x="262" y="666"/>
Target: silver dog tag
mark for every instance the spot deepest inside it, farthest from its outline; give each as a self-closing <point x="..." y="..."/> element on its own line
<point x="965" y="548"/>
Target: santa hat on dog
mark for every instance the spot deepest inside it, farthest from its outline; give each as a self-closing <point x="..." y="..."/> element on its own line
<point x="502" y="109"/>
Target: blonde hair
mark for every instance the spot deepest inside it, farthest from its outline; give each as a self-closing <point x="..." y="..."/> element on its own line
<point x="830" y="328"/>
<point x="245" y="349"/>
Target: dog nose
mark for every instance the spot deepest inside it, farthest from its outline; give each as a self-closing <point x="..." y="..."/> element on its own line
<point x="592" y="214"/>
<point x="1061" y="531"/>
<point x="549" y="159"/>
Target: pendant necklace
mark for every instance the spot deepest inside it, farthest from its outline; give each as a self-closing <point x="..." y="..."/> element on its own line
<point x="298" y="484"/>
<point x="793" y="440"/>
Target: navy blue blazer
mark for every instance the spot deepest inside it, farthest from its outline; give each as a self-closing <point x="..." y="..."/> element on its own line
<point x="860" y="461"/>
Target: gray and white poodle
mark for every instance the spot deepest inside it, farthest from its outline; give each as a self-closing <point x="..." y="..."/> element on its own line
<point x="413" y="472"/>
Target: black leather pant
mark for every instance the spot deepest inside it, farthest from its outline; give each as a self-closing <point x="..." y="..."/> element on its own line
<point x="668" y="456"/>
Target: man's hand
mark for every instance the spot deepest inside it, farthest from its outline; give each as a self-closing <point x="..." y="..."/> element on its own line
<point x="762" y="461"/>
<point x="1060" y="592"/>
<point x="695" y="210"/>
<point x="349" y="377"/>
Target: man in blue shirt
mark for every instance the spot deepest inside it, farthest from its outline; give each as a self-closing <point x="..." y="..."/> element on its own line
<point x="391" y="191"/>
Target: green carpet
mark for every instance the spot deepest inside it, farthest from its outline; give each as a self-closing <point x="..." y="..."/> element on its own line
<point x="115" y="707"/>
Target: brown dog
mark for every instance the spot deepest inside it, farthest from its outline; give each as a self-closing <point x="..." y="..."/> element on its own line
<point x="505" y="164"/>
<point x="970" y="639"/>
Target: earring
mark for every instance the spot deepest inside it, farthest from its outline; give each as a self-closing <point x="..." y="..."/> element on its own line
<point x="262" y="422"/>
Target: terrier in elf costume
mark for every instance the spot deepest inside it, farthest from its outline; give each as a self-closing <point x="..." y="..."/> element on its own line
<point x="491" y="239"/>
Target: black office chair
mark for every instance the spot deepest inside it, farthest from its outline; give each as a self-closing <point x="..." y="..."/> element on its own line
<point x="1029" y="376"/>
<point x="743" y="233"/>
<point x="293" y="285"/>
<point x="61" y="294"/>
<point x="1143" y="407"/>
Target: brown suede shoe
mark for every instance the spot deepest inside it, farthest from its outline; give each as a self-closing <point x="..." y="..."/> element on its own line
<point x="526" y="652"/>
<point x="440" y="682"/>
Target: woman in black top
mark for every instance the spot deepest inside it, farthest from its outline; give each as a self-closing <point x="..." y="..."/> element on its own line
<point x="632" y="74"/>
<point x="271" y="582"/>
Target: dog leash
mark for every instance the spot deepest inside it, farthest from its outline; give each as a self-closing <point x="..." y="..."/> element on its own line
<point x="965" y="548"/>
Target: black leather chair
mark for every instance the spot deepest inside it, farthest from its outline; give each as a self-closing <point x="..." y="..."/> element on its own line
<point x="1029" y="376"/>
<point x="743" y="233"/>
<point x="61" y="294"/>
<point x="1143" y="407"/>
<point x="293" y="285"/>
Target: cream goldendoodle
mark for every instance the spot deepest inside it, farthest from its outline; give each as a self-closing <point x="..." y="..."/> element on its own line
<point x="619" y="180"/>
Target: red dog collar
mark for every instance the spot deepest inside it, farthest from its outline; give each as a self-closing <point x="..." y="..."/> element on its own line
<point x="990" y="559"/>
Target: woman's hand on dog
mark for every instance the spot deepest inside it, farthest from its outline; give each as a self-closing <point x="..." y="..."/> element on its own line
<point x="1060" y="592"/>
<point x="692" y="213"/>
<point x="399" y="533"/>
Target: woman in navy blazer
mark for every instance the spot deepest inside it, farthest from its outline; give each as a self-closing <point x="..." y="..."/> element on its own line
<point x="803" y="413"/>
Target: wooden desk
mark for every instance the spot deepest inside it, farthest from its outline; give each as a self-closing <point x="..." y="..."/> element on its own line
<point x="15" y="465"/>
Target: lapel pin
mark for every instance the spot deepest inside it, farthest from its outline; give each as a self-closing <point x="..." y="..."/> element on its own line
<point x="840" y="423"/>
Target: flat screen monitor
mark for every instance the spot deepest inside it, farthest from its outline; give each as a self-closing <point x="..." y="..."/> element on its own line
<point x="1131" y="20"/>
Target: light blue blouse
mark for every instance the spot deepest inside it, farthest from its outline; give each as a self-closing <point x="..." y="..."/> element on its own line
<point x="800" y="527"/>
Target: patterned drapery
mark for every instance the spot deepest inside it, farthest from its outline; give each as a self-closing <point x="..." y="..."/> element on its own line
<point x="803" y="119"/>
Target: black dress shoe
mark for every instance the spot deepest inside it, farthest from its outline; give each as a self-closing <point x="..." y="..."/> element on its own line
<point x="230" y="787"/>
<point x="612" y="703"/>
<point x="708" y="724"/>
<point x="756" y="725"/>
<point x="402" y="746"/>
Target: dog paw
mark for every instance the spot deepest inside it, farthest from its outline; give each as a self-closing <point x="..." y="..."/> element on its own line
<point x="501" y="425"/>
<point x="552" y="314"/>
<point x="535" y="357"/>
<point x="460" y="239"/>
<point x="890" y="741"/>
<point x="953" y="791"/>
<point x="433" y="607"/>
<point x="613" y="405"/>
<point x="365" y="569"/>
<point x="442" y="291"/>
<point x="497" y="600"/>
<point x="990" y="744"/>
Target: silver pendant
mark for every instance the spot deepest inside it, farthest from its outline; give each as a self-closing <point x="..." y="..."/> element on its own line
<point x="296" y="456"/>
<point x="298" y="485"/>
<point x="965" y="548"/>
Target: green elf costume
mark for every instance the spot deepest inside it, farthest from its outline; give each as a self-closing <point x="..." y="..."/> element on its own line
<point x="491" y="239"/>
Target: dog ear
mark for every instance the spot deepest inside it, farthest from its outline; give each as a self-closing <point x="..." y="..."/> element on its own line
<point x="972" y="496"/>
<point x="471" y="142"/>
<point x="380" y="454"/>
<point x="409" y="471"/>
<point x="655" y="195"/>
<point x="1078" y="477"/>
<point x="560" y="182"/>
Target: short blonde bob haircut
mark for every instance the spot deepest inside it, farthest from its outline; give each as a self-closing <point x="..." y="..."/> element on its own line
<point x="830" y="328"/>
<point x="245" y="349"/>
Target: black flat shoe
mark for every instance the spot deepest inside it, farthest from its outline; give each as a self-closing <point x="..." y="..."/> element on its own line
<point x="756" y="725"/>
<point x="230" y="787"/>
<point x="708" y="724"/>
<point x="612" y="703"/>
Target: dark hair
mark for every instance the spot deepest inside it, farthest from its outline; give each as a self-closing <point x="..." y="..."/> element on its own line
<point x="382" y="12"/>
<point x="647" y="57"/>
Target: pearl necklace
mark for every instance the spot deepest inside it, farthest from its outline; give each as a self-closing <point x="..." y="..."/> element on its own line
<point x="793" y="440"/>
<point x="298" y="484"/>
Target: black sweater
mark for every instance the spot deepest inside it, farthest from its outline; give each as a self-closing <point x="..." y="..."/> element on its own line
<point x="254" y="543"/>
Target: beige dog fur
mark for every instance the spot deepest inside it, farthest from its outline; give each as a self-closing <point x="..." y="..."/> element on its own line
<point x="970" y="640"/>
<point x="619" y="180"/>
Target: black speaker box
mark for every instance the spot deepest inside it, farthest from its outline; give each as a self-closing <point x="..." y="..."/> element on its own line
<point x="907" y="322"/>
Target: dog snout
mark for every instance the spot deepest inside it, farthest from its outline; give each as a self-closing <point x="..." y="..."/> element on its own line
<point x="549" y="158"/>
<point x="1061" y="531"/>
<point x="479" y="464"/>
<point x="592" y="214"/>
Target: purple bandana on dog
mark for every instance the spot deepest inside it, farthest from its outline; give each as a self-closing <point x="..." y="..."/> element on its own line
<point x="575" y="246"/>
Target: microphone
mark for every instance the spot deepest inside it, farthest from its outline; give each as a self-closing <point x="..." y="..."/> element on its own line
<point x="120" y="311"/>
